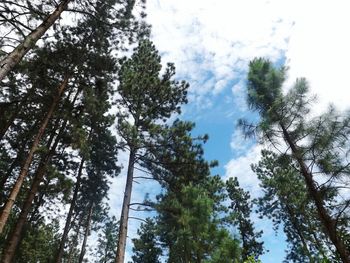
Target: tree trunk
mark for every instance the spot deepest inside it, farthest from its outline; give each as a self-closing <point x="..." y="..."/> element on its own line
<point x="16" y="161"/>
<point x="6" y="124"/>
<point x="71" y="249"/>
<point x="7" y="175"/>
<point x="70" y="213"/>
<point x="24" y="171"/>
<point x="295" y="223"/>
<point x="123" y="228"/>
<point x="328" y="222"/>
<point x="14" y="238"/>
<point x="319" y="246"/>
<point x="12" y="59"/>
<point x="86" y="234"/>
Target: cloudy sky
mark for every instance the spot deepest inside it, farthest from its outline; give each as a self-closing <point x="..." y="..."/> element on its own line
<point x="211" y="43"/>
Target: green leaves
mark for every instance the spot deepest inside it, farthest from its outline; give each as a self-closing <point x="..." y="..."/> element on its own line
<point x="302" y="183"/>
<point x="146" y="247"/>
<point x="38" y="242"/>
<point x="107" y="241"/>
<point x="240" y="209"/>
<point x="286" y="201"/>
<point x="264" y="85"/>
<point x="189" y="228"/>
<point x="147" y="95"/>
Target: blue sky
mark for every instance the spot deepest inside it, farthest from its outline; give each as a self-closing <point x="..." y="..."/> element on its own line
<point x="227" y="145"/>
<point x="211" y="43"/>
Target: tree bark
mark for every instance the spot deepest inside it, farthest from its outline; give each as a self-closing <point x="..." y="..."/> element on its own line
<point x="24" y="170"/>
<point x="86" y="234"/>
<point x="123" y="228"/>
<point x="12" y="59"/>
<point x="14" y="238"/>
<point x="70" y="213"/>
<point x="328" y="222"/>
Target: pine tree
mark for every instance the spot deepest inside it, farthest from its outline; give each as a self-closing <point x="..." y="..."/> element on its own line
<point x="88" y="94"/>
<point x="188" y="222"/>
<point x="241" y="209"/>
<point x="146" y="249"/>
<point x="122" y="19"/>
<point x="284" y="116"/>
<point x="286" y="202"/>
<point x="7" y="63"/>
<point x="146" y="98"/>
<point x="38" y="242"/>
<point x="107" y="241"/>
<point x="24" y="170"/>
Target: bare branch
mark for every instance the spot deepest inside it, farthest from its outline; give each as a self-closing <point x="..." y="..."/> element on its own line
<point x="137" y="218"/>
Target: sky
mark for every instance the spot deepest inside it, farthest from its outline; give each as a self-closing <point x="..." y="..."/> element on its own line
<point x="211" y="43"/>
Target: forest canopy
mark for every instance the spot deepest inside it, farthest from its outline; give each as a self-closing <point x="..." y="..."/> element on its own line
<point x="87" y="102"/>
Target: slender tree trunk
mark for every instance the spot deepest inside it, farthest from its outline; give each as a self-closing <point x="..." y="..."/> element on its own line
<point x="70" y="213"/>
<point x="7" y="124"/>
<point x="71" y="249"/>
<point x="199" y="257"/>
<point x="16" y="161"/>
<point x="319" y="246"/>
<point x="7" y="175"/>
<point x="24" y="171"/>
<point x="14" y="113"/>
<point x="14" y="238"/>
<point x="105" y="254"/>
<point x="12" y="59"/>
<point x="123" y="228"/>
<point x="328" y="222"/>
<point x="86" y="234"/>
<point x="295" y="223"/>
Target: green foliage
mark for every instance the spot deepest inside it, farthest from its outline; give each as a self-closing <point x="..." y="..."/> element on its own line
<point x="251" y="259"/>
<point x="264" y="85"/>
<point x="146" y="96"/>
<point x="302" y="183"/>
<point x="107" y="241"/>
<point x="226" y="249"/>
<point x="38" y="242"/>
<point x="189" y="225"/>
<point x="146" y="248"/>
<point x="189" y="229"/>
<point x="286" y="202"/>
<point x="176" y="159"/>
<point x="241" y="209"/>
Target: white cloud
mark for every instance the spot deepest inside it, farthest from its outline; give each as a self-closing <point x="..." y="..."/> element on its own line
<point x="319" y="50"/>
<point x="238" y="143"/>
<point x="211" y="42"/>
<point x="240" y="168"/>
<point x="207" y="39"/>
<point x="239" y="95"/>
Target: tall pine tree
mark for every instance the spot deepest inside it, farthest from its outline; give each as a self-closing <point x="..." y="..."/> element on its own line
<point x="284" y="116"/>
<point x="146" y="97"/>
